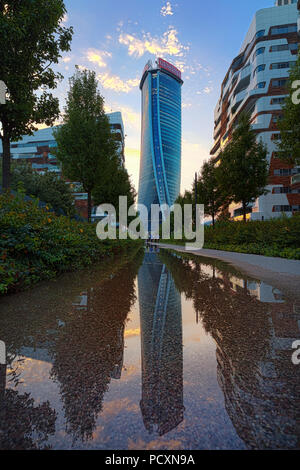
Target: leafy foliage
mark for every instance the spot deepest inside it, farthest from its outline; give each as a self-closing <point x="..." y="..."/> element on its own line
<point x="289" y="126"/>
<point x="112" y="185"/>
<point x="36" y="244"/>
<point x="208" y="190"/>
<point x="33" y="38"/>
<point x="46" y="187"/>
<point x="274" y="237"/>
<point x="243" y="171"/>
<point x="86" y="146"/>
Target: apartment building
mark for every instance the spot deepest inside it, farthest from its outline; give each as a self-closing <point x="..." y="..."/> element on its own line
<point x="256" y="83"/>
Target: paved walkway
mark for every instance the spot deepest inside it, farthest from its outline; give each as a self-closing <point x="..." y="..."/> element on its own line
<point x="279" y="272"/>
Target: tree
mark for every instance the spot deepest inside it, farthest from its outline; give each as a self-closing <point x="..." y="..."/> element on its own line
<point x="289" y="126"/>
<point x="209" y="192"/>
<point x="114" y="183"/>
<point x="86" y="147"/>
<point x="243" y="171"/>
<point x="32" y="39"/>
<point x="47" y="187"/>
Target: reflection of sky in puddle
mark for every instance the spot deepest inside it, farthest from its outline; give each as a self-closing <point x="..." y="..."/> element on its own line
<point x="199" y="359"/>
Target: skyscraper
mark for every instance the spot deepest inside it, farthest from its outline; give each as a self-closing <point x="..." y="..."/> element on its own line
<point x="256" y="83"/>
<point x="160" y="169"/>
<point x="161" y="342"/>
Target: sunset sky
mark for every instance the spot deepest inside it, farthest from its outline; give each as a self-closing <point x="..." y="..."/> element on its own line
<point x="117" y="38"/>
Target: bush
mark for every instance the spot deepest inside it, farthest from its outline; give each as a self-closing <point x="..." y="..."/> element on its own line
<point x="36" y="244"/>
<point x="275" y="237"/>
<point x="46" y="187"/>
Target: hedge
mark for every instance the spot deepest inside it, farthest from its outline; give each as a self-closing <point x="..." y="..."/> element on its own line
<point x="36" y="244"/>
<point x="275" y="237"/>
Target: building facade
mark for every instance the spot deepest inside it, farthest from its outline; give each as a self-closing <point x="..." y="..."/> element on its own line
<point x="36" y="149"/>
<point x="117" y="127"/>
<point x="256" y="83"/>
<point x="160" y="170"/>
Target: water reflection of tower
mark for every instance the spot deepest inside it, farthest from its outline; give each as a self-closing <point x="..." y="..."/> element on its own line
<point x="161" y="339"/>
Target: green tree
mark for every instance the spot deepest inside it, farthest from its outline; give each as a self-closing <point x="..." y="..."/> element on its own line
<point x="86" y="147"/>
<point x="243" y="171"/>
<point x="186" y="198"/>
<point x="209" y="192"/>
<point x="289" y="126"/>
<point x="115" y="182"/>
<point x="32" y="40"/>
<point x="46" y="187"/>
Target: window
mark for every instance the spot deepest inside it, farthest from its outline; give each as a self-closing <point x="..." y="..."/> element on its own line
<point x="242" y="85"/>
<point x="282" y="209"/>
<point x="279" y="83"/>
<point x="260" y="85"/>
<point x="286" y="171"/>
<point x="292" y="28"/>
<point x="283" y="65"/>
<point x="282" y="190"/>
<point x="278" y="100"/>
<point x="238" y="61"/>
<point x="259" y="51"/>
<point x="276" y="118"/>
<point x="260" y="68"/>
<point x="260" y="33"/>
<point x="284" y="47"/>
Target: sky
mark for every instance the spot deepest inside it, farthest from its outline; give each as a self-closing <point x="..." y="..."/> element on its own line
<point x="116" y="38"/>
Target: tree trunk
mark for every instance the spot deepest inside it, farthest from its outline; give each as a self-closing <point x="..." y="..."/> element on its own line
<point x="89" y="206"/>
<point x="213" y="220"/>
<point x="6" y="163"/>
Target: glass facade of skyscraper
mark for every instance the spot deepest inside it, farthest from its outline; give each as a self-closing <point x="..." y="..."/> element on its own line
<point x="160" y="169"/>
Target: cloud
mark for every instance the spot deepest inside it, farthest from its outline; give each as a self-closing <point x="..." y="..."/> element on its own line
<point x="97" y="57"/>
<point x="168" y="44"/>
<point x="208" y="89"/>
<point x="167" y="10"/>
<point x="66" y="59"/>
<point x="115" y="83"/>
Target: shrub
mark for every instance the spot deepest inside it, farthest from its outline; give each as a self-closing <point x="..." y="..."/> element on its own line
<point x="36" y="244"/>
<point x="275" y="237"/>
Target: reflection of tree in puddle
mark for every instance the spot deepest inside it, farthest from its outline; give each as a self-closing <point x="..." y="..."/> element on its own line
<point x="81" y="333"/>
<point x="23" y="425"/>
<point x="89" y="349"/>
<point x="253" y="328"/>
